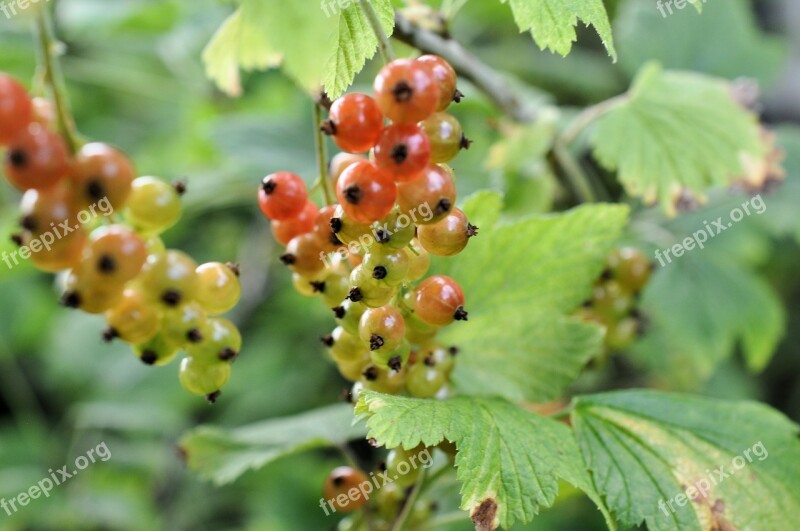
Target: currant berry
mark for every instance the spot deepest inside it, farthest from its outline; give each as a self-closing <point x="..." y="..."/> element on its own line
<point x="449" y="236"/>
<point x="389" y="266"/>
<point x="36" y="158"/>
<point x="348" y="315"/>
<point x="383" y="380"/>
<point x="334" y="289"/>
<point x="284" y="231"/>
<point x="88" y="296"/>
<point x="403" y="151"/>
<point x="445" y="135"/>
<point x="365" y="192"/>
<point x="339" y="163"/>
<point x="156" y="351"/>
<point x="221" y="341"/>
<point x="347" y="229"/>
<point x="304" y="255"/>
<point x="218" y="287"/>
<point x="393" y="360"/>
<point x="153" y="206"/>
<point x="44" y="113"/>
<point x="402" y="465"/>
<point x="338" y="487"/>
<point x="439" y="300"/>
<point x="395" y="231"/>
<point x="406" y="91"/>
<point x="346" y="348"/>
<point x="133" y="319"/>
<point x="369" y="291"/>
<point x="51" y="229"/>
<point x="183" y="325"/>
<point x="382" y="329"/>
<point x="424" y="381"/>
<point x="16" y="111"/>
<point x="322" y="228"/>
<point x="170" y="278"/>
<point x="282" y="196"/>
<point x="419" y="261"/>
<point x="203" y="377"/>
<point x="622" y="334"/>
<point x="355" y="121"/>
<point x="631" y="268"/>
<point x="611" y="300"/>
<point x="100" y="172"/>
<point x="428" y="198"/>
<point x="115" y="255"/>
<point x="445" y="77"/>
<point x="440" y="357"/>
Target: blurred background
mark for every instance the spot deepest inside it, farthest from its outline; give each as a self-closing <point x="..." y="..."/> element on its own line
<point x="136" y="80"/>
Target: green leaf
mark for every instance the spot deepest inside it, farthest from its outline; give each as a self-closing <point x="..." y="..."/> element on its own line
<point x="729" y="304"/>
<point x="725" y="41"/>
<point x="552" y="22"/>
<point x="676" y="132"/>
<point x="325" y="46"/>
<point x="509" y="461"/>
<point x="646" y="446"/>
<point x="224" y="455"/>
<point x="522" y="280"/>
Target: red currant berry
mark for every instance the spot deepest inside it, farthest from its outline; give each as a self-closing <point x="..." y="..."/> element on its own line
<point x="446" y="136"/>
<point x="430" y="197"/>
<point x="365" y="192"/>
<point x="341" y="481"/>
<point x="36" y="158"/>
<point x="115" y="254"/>
<point x="449" y="236"/>
<point x="382" y="328"/>
<point x="16" y="110"/>
<point x="355" y="121"/>
<point x="403" y="151"/>
<point x="287" y="229"/>
<point x="406" y="91"/>
<point x="100" y="171"/>
<point x="339" y="163"/>
<point x="282" y="195"/>
<point x="446" y="78"/>
<point x="439" y="301"/>
<point x="304" y="255"/>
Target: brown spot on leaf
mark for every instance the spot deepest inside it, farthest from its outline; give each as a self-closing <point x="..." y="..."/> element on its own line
<point x="484" y="516"/>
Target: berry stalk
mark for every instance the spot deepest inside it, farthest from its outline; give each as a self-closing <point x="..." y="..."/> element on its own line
<point x="322" y="161"/>
<point x="55" y="79"/>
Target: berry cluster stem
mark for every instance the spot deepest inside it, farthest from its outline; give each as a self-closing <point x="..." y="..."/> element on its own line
<point x="48" y="47"/>
<point x="408" y="506"/>
<point x="384" y="44"/>
<point x="322" y="179"/>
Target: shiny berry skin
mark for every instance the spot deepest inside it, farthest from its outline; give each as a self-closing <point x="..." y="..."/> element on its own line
<point x="170" y="279"/>
<point x="366" y="193"/>
<point x="44" y="113"/>
<point x="47" y="215"/>
<point x="631" y="267"/>
<point x="156" y="351"/>
<point x="322" y="227"/>
<point x="368" y="290"/>
<point x="387" y="265"/>
<point x="445" y="135"/>
<point x="183" y="324"/>
<point x="36" y="158"/>
<point x="218" y="287"/>
<point x="406" y="91"/>
<point x="85" y="294"/>
<point x="133" y="318"/>
<point x="334" y="289"/>
<point x="382" y="329"/>
<point x="449" y="236"/>
<point x="430" y="197"/>
<point x="282" y="196"/>
<point x="440" y="357"/>
<point x="348" y="315"/>
<point x="383" y="380"/>
<point x="346" y="228"/>
<point x="16" y="110"/>
<point x="424" y="381"/>
<point x="445" y="77"/>
<point x="153" y="206"/>
<point x="203" y="377"/>
<point x="355" y="121"/>
<point x="439" y="301"/>
<point x="303" y="223"/>
<point x="611" y="300"/>
<point x="403" y="151"/>
<point x="339" y="163"/>
<point x="304" y="255"/>
<point x="99" y="171"/>
<point x="395" y="231"/>
<point x="221" y="341"/>
<point x="419" y="261"/>
<point x="115" y="254"/>
<point x="338" y="483"/>
<point x="400" y="459"/>
<point x="346" y="348"/>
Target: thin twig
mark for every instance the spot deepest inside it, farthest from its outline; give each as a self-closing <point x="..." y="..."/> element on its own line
<point x="575" y="175"/>
<point x="408" y="506"/>
<point x="322" y="162"/>
<point x="384" y="44"/>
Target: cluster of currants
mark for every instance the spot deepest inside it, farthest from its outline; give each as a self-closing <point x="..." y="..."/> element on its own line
<point x="157" y="300"/>
<point x="395" y="209"/>
<point x="613" y="302"/>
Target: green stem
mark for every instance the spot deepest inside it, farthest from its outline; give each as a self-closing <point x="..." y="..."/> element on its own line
<point x="446" y="519"/>
<point x="322" y="162"/>
<point x="48" y="48"/>
<point x="577" y="178"/>
<point x="400" y="521"/>
<point x="384" y="44"/>
<point x="587" y="116"/>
